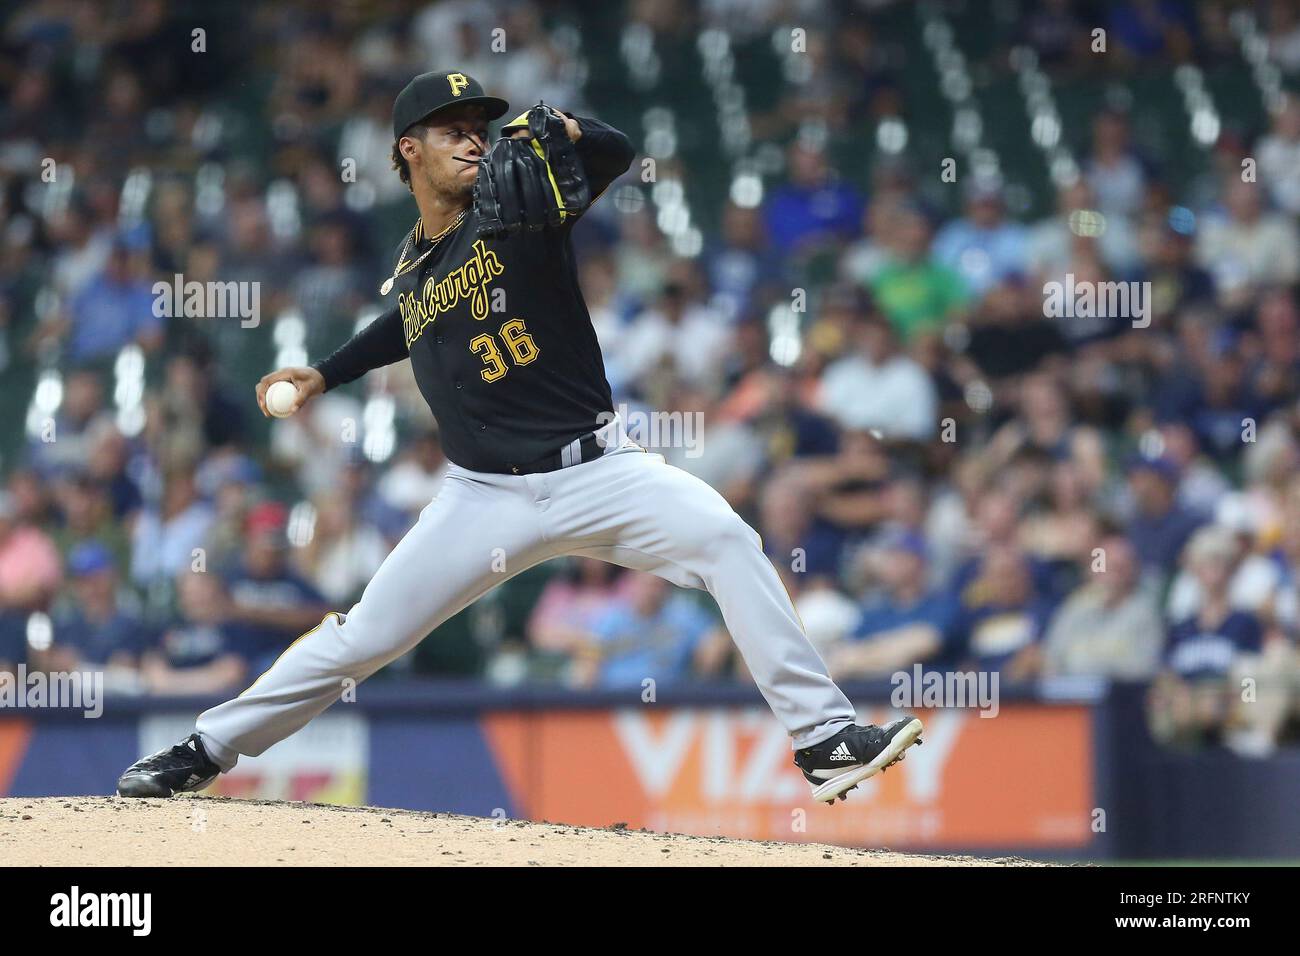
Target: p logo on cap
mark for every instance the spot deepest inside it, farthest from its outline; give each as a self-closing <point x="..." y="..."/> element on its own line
<point x="430" y="92"/>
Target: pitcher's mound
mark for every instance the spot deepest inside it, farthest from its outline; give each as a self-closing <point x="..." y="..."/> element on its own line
<point x="197" y="831"/>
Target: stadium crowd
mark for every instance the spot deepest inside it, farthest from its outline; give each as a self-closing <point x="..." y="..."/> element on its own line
<point x="942" y="472"/>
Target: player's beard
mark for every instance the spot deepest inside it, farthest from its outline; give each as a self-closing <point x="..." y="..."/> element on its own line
<point x="453" y="189"/>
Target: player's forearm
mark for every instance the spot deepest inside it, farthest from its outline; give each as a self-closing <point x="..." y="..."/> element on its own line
<point x="606" y="152"/>
<point x="380" y="343"/>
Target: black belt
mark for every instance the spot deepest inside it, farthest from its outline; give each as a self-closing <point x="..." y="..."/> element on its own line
<point x="587" y="448"/>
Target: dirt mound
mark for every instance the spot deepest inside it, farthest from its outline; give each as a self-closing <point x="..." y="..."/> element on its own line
<point x="186" y="831"/>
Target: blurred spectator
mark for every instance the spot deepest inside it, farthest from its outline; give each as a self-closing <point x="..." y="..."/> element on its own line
<point x="1064" y="526"/>
<point x="828" y="615"/>
<point x="113" y="310"/>
<point x="1201" y="484"/>
<point x="88" y="515"/>
<point x="1246" y="246"/>
<point x="95" y="629"/>
<point x="847" y="488"/>
<point x="538" y="67"/>
<point x="1177" y="280"/>
<point x="1205" y="643"/>
<point x="166" y="535"/>
<point x="725" y="453"/>
<point x="269" y="605"/>
<point x="356" y="482"/>
<point x="107" y="462"/>
<point x="657" y="633"/>
<point x="30" y="567"/>
<point x="1273" y="367"/>
<point x="917" y="294"/>
<point x="1148" y="30"/>
<point x="1224" y="402"/>
<point x="742" y="263"/>
<point x="1001" y="615"/>
<point x="793" y="536"/>
<point x="232" y="483"/>
<point x="1159" y="526"/>
<point x="412" y="481"/>
<point x="1192" y="700"/>
<point x="196" y="409"/>
<point x="1080" y="328"/>
<point x="1254" y="577"/>
<point x="1054" y="31"/>
<point x="318" y="442"/>
<point x="812" y="208"/>
<point x="642" y="255"/>
<point x="84" y="246"/>
<point x="67" y="443"/>
<point x="1113" y="172"/>
<point x="679" y="334"/>
<point x="1110" y="626"/>
<point x="607" y="303"/>
<point x="876" y="387"/>
<point x="1009" y="335"/>
<point x="445" y="33"/>
<point x="982" y="246"/>
<point x="902" y="625"/>
<point x="1279" y="158"/>
<point x="768" y="400"/>
<point x="195" y="655"/>
<point x="1053" y="244"/>
<point x="996" y="522"/>
<point x="871" y="253"/>
<point x="345" y="550"/>
<point x="564" y="618"/>
<point x="328" y="287"/>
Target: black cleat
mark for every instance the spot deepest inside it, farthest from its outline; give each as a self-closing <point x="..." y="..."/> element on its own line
<point x="838" y="764"/>
<point x="178" y="769"/>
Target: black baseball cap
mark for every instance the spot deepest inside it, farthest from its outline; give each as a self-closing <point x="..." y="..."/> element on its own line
<point x="430" y="92"/>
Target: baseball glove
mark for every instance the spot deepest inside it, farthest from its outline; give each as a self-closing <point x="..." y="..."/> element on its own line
<point x="534" y="183"/>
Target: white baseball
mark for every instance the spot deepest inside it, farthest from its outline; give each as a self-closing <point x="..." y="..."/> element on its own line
<point x="280" y="398"/>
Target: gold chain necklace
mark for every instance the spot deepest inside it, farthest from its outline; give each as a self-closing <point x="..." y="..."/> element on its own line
<point x="403" y="266"/>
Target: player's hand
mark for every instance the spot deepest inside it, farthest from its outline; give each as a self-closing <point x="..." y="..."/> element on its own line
<point x="570" y="126"/>
<point x="308" y="381"/>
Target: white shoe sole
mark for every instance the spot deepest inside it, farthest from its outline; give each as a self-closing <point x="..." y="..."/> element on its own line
<point x="829" y="791"/>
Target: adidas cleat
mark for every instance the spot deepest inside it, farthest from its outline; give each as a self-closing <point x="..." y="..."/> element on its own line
<point x="178" y="769"/>
<point x="838" y="764"/>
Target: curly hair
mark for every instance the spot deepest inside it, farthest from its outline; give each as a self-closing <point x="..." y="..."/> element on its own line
<point x="400" y="164"/>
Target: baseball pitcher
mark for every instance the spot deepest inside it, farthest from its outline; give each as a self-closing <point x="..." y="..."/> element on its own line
<point x="484" y="300"/>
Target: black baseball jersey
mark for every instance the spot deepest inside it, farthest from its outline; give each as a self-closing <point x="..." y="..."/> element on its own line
<point x="498" y="334"/>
